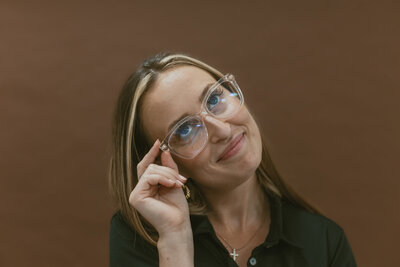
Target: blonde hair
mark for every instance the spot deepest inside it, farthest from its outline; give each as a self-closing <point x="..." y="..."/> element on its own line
<point x="130" y="145"/>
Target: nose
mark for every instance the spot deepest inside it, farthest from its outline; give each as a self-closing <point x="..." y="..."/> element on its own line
<point x="217" y="129"/>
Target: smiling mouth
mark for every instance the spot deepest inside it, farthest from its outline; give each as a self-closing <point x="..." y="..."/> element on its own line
<point x="233" y="148"/>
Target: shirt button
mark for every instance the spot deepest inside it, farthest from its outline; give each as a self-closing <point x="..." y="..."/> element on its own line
<point x="253" y="261"/>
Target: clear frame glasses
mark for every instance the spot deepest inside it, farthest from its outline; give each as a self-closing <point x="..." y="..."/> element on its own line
<point x="188" y="137"/>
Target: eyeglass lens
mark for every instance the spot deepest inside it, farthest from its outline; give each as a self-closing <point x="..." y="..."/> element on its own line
<point x="190" y="136"/>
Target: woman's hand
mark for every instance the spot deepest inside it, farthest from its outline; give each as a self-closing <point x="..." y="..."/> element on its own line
<point x="158" y="196"/>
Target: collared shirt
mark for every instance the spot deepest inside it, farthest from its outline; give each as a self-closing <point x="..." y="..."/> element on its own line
<point x="296" y="238"/>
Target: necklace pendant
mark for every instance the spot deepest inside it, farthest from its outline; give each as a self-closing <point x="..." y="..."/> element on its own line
<point x="234" y="255"/>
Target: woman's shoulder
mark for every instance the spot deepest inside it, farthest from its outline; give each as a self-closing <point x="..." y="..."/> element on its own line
<point x="297" y="217"/>
<point x="316" y="233"/>
<point x="119" y="226"/>
<point x="127" y="247"/>
<point x="121" y="229"/>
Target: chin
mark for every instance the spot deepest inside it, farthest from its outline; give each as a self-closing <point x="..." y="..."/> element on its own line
<point x="250" y="163"/>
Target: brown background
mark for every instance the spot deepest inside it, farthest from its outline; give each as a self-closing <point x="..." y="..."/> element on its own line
<point x="322" y="77"/>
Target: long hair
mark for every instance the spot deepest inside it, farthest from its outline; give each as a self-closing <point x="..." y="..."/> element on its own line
<point x="130" y="145"/>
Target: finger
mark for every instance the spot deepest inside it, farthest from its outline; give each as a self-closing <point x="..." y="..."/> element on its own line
<point x="155" y="179"/>
<point x="150" y="181"/>
<point x="163" y="170"/>
<point x="168" y="161"/>
<point x="148" y="158"/>
<point x="171" y="183"/>
<point x="148" y="186"/>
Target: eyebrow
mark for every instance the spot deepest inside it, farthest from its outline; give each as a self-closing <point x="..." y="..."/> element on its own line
<point x="202" y="95"/>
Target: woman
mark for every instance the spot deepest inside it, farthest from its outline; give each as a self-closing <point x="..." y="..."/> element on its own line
<point x="194" y="183"/>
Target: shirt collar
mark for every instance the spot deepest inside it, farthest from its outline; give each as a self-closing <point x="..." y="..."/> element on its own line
<point x="277" y="230"/>
<point x="201" y="224"/>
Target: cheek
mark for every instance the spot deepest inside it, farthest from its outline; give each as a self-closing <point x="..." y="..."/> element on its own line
<point x="242" y="117"/>
<point x="187" y="167"/>
<point x="255" y="135"/>
<point x="195" y="168"/>
<point x="254" y="138"/>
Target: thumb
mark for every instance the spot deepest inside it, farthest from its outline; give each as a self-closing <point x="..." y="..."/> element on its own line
<point x="168" y="161"/>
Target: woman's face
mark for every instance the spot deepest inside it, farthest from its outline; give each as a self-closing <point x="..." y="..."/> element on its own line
<point x="177" y="92"/>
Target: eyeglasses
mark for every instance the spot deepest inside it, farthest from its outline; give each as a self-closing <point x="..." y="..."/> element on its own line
<point x="188" y="137"/>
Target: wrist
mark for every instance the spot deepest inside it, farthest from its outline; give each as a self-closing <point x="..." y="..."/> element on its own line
<point x="177" y="240"/>
<point x="183" y="237"/>
<point x="176" y="249"/>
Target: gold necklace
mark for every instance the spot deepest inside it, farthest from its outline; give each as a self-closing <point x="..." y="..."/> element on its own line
<point x="233" y="254"/>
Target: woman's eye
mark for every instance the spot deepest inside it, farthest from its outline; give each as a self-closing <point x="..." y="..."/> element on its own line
<point x="214" y="99"/>
<point x="184" y="130"/>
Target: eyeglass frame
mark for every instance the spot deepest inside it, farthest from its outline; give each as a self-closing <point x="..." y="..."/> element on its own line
<point x="164" y="146"/>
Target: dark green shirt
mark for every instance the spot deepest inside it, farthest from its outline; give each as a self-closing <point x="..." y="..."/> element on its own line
<point x="296" y="238"/>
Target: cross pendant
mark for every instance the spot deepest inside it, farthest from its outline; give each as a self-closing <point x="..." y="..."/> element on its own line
<point x="234" y="255"/>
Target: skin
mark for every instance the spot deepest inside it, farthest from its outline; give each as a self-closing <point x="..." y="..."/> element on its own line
<point x="222" y="182"/>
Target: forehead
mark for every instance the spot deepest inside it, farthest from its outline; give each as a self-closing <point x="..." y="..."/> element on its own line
<point x="175" y="92"/>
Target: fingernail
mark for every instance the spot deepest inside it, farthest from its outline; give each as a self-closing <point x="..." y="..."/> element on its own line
<point x="179" y="182"/>
<point x="183" y="178"/>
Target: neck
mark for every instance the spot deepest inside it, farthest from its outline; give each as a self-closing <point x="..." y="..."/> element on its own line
<point x="238" y="209"/>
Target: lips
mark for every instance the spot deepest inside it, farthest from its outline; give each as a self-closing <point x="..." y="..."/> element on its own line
<point x="231" y="145"/>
